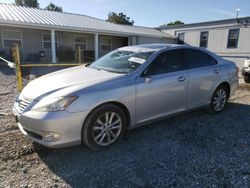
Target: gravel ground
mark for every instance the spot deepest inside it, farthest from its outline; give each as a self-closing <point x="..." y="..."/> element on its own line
<point x="196" y="149"/>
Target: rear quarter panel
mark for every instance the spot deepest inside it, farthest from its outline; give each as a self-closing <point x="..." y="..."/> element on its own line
<point x="229" y="74"/>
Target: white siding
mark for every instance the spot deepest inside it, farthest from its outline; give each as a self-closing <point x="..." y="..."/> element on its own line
<point x="217" y="40"/>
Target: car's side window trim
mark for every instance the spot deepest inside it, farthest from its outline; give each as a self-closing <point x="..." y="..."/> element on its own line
<point x="213" y="59"/>
<point x="156" y="75"/>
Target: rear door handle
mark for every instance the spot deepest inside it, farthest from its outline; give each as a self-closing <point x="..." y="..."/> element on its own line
<point x="216" y="70"/>
<point x="182" y="78"/>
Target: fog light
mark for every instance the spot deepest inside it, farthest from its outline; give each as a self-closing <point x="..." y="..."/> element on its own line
<point x="50" y="137"/>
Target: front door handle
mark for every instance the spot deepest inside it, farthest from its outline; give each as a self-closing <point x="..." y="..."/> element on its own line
<point x="182" y="78"/>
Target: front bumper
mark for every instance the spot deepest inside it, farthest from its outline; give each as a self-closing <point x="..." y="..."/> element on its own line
<point x="38" y="125"/>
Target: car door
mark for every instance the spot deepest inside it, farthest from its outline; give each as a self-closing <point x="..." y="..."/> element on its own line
<point x="162" y="87"/>
<point x="204" y="74"/>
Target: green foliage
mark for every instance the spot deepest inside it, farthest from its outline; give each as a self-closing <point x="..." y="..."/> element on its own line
<point x="119" y="18"/>
<point x="177" y="22"/>
<point x="27" y="3"/>
<point x="53" y="7"/>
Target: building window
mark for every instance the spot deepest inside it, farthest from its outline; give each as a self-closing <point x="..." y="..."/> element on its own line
<point x="204" y="39"/>
<point x="106" y="44"/>
<point x="181" y="37"/>
<point x="46" y="40"/>
<point x="12" y="37"/>
<point x="233" y="36"/>
<point x="80" y="42"/>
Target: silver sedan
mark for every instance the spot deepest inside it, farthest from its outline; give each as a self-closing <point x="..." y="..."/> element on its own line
<point x="131" y="86"/>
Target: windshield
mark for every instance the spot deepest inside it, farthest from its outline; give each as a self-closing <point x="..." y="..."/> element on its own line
<point x="121" y="61"/>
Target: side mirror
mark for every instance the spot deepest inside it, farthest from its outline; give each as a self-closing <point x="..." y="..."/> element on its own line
<point x="148" y="79"/>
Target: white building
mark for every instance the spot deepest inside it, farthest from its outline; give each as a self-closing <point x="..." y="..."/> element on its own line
<point x="228" y="38"/>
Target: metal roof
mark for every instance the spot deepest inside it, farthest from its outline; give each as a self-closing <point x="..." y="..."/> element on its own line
<point x="150" y="31"/>
<point x="13" y="15"/>
<point x="208" y="23"/>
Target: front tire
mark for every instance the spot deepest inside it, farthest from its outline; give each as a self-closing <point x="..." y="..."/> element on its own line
<point x="104" y="126"/>
<point x="219" y="99"/>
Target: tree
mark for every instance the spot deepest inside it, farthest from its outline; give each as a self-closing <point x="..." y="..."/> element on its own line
<point x="177" y="22"/>
<point x="27" y="3"/>
<point x="53" y="7"/>
<point x="119" y="18"/>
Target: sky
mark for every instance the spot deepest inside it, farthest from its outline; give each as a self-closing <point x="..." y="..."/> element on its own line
<point x="153" y="13"/>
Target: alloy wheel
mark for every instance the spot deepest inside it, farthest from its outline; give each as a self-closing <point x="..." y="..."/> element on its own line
<point x="107" y="128"/>
<point x="219" y="99"/>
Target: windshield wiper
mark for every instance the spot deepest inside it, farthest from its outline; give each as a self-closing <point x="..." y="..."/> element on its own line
<point x="96" y="68"/>
<point x="108" y="70"/>
<point x="113" y="71"/>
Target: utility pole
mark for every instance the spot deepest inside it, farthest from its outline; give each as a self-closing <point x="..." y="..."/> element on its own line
<point x="237" y="13"/>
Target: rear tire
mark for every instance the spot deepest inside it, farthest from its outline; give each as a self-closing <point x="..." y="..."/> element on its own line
<point x="219" y="99"/>
<point x="247" y="79"/>
<point x="104" y="126"/>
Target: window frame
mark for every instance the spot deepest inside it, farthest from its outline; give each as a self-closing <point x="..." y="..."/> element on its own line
<point x="207" y="32"/>
<point x="178" y="38"/>
<point x="182" y="56"/>
<point x="86" y="38"/>
<point x="7" y="30"/>
<point x="56" y="39"/>
<point x="237" y="39"/>
<point x="211" y="58"/>
<point x="102" y="44"/>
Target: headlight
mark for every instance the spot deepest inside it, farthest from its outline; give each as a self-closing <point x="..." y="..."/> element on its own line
<point x="53" y="104"/>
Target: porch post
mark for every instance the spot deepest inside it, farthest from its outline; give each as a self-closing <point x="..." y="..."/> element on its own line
<point x="96" y="46"/>
<point x="53" y="46"/>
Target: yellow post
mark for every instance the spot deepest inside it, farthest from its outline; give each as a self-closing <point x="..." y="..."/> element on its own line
<point x="16" y="58"/>
<point x="79" y="55"/>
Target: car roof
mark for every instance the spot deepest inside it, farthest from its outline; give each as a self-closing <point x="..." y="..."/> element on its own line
<point x="150" y="47"/>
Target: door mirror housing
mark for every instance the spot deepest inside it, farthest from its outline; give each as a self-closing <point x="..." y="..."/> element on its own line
<point x="148" y="79"/>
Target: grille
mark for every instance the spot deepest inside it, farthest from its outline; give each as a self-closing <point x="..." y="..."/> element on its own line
<point x="32" y="134"/>
<point x="23" y="103"/>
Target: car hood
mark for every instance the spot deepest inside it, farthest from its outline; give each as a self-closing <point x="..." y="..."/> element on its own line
<point x="68" y="79"/>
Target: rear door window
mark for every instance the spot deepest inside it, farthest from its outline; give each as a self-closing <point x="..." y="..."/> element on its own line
<point x="195" y="59"/>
